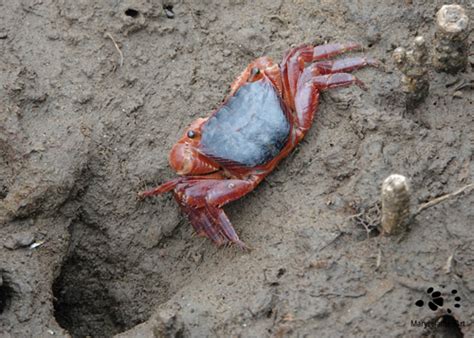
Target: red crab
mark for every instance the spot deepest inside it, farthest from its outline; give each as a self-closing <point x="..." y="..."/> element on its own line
<point x="267" y="113"/>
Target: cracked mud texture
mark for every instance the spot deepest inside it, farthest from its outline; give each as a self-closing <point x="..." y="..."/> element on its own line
<point x="81" y="134"/>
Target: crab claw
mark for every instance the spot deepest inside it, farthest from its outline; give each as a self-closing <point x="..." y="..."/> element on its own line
<point x="186" y="160"/>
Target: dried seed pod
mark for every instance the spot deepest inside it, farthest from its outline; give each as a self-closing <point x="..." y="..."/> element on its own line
<point x="412" y="64"/>
<point x="395" y="204"/>
<point x="451" y="48"/>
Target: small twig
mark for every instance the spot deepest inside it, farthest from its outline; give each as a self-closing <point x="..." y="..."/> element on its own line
<point x="379" y="259"/>
<point x="449" y="264"/>
<point x="410" y="284"/>
<point x="348" y="295"/>
<point x="355" y="215"/>
<point x="116" y="47"/>
<point x="339" y="234"/>
<point x="442" y="198"/>
<point x="464" y="84"/>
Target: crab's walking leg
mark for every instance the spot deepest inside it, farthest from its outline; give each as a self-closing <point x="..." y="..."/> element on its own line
<point x="307" y="96"/>
<point x="161" y="189"/>
<point x="332" y="49"/>
<point x="223" y="221"/>
<point x="342" y="65"/>
<point x="216" y="192"/>
<point x="202" y="201"/>
<point x="171" y="185"/>
<point x="294" y="63"/>
<point x="202" y="222"/>
<point x="336" y="80"/>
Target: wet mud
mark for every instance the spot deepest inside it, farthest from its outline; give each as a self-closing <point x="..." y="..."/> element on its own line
<point x="94" y="94"/>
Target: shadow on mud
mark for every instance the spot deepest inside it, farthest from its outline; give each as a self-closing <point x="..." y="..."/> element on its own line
<point x="6" y="295"/>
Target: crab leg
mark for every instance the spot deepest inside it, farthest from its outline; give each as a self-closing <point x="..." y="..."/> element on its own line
<point x="201" y="198"/>
<point x="212" y="229"/>
<point x="211" y="222"/>
<point x="336" y="80"/>
<point x="307" y="96"/>
<point x="294" y="63"/>
<point x="332" y="49"/>
<point x="172" y="184"/>
<point x="202" y="222"/>
<point x="161" y="189"/>
<point x="194" y="216"/>
<point x="226" y="227"/>
<point x="216" y="192"/>
<point x="342" y="65"/>
<point x="202" y="202"/>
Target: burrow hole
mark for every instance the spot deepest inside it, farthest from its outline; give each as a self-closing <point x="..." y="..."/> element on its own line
<point x="133" y="13"/>
<point x="85" y="299"/>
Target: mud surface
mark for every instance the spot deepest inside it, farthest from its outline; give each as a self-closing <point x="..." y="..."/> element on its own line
<point x="83" y="128"/>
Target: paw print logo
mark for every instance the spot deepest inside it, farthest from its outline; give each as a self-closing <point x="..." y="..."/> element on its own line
<point x="436" y="301"/>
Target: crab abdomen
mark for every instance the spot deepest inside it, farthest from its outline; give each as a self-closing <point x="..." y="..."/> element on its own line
<point x="251" y="128"/>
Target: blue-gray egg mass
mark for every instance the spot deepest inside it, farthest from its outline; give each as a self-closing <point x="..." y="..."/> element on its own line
<point x="250" y="128"/>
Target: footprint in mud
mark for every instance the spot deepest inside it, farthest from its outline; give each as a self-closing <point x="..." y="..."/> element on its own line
<point x="436" y="301"/>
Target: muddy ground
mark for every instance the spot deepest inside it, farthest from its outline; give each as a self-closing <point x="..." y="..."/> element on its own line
<point x="83" y="129"/>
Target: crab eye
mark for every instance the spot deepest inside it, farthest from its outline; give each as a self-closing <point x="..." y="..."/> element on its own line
<point x="191" y="134"/>
<point x="255" y="71"/>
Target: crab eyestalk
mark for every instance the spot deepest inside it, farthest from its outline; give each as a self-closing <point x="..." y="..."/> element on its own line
<point x="412" y="64"/>
<point x="395" y="204"/>
<point x="451" y="47"/>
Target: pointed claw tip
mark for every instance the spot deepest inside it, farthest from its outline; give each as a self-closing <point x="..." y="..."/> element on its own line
<point x="242" y="246"/>
<point x="356" y="47"/>
<point x="374" y="63"/>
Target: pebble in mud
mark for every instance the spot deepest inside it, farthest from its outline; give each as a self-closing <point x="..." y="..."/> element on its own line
<point x="395" y="204"/>
<point x="412" y="63"/>
<point x="19" y="240"/>
<point x="169" y="11"/>
<point x="451" y="46"/>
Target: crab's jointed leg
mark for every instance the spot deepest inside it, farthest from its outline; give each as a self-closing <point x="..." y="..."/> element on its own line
<point x="306" y="100"/>
<point x="332" y="49"/>
<point x="294" y="62"/>
<point x="342" y="65"/>
<point x="202" y="202"/>
<point x="172" y="184"/>
<point x="303" y="84"/>
<point x="323" y="82"/>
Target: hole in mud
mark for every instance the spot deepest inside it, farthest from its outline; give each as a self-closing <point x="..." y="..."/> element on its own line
<point x="6" y="294"/>
<point x="132" y="12"/>
<point x="444" y="327"/>
<point x="82" y="305"/>
<point x="92" y="294"/>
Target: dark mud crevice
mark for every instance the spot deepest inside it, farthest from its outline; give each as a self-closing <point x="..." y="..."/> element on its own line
<point x="3" y="192"/>
<point x="6" y="295"/>
<point x="85" y="303"/>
